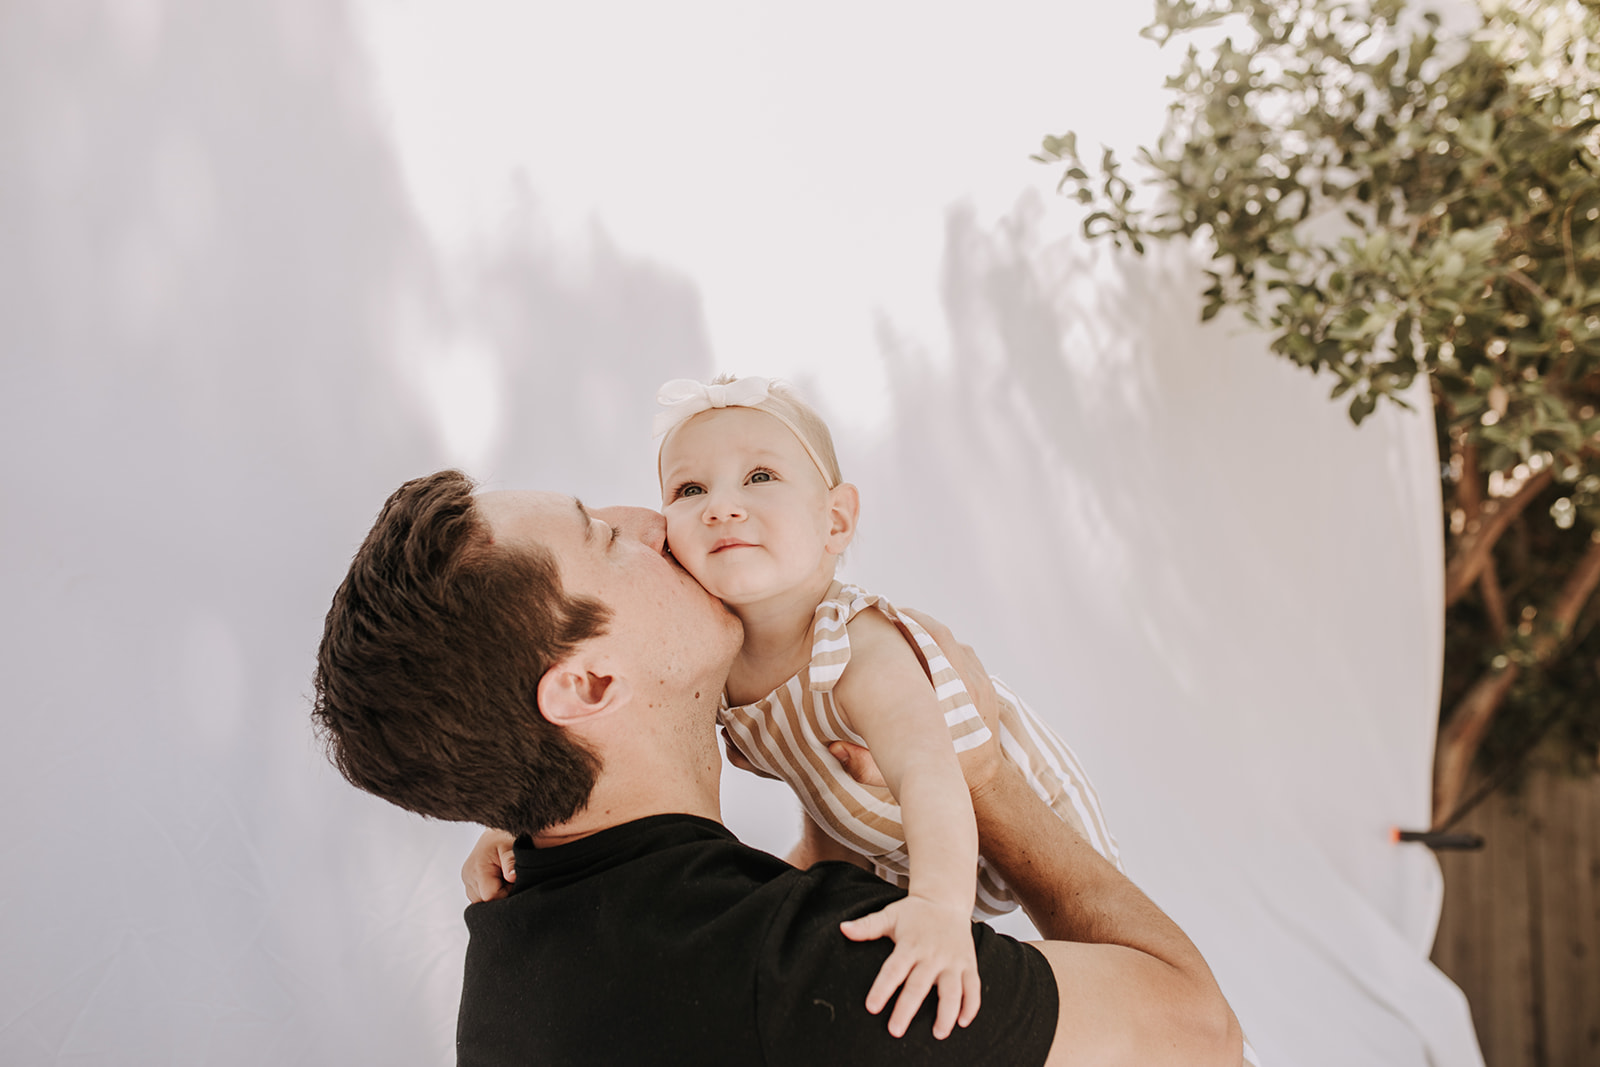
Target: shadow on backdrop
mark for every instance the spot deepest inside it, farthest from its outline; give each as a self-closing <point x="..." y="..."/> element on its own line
<point x="219" y="314"/>
<point x="1224" y="595"/>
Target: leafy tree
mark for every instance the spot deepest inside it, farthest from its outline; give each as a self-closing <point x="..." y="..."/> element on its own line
<point x="1389" y="200"/>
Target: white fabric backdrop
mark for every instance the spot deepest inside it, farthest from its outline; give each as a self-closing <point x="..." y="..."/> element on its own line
<point x="237" y="308"/>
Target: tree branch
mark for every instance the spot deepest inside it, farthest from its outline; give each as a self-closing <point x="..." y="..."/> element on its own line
<point x="1469" y="494"/>
<point x="1528" y="284"/>
<point x="1465" y="729"/>
<point x="1494" y="602"/>
<point x="1473" y="550"/>
<point x="1566" y="244"/>
<point x="1575" y="593"/>
<point x="1461" y="736"/>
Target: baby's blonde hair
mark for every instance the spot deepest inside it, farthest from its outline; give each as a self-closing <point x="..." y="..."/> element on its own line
<point x="785" y="401"/>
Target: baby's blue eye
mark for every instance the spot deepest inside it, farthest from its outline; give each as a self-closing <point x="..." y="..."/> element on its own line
<point x="761" y="476"/>
<point x="690" y="490"/>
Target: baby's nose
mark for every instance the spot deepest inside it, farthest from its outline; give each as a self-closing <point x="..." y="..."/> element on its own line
<point x="724" y="506"/>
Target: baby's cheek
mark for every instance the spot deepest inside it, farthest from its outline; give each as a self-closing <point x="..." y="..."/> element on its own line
<point x="677" y="535"/>
<point x="694" y="561"/>
<point x="683" y="550"/>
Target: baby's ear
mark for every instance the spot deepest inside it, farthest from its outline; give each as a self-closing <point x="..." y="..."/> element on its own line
<point x="844" y="507"/>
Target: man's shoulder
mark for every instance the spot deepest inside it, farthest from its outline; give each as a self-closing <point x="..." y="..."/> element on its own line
<point x="716" y="952"/>
<point x="813" y="982"/>
<point x="659" y="922"/>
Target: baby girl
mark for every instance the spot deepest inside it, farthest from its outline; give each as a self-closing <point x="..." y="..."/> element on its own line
<point x="758" y="513"/>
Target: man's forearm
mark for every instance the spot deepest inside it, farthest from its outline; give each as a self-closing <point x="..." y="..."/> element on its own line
<point x="1116" y="938"/>
<point x="815" y="846"/>
<point x="1067" y="888"/>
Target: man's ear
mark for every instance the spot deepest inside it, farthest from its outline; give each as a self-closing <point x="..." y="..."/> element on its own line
<point x="844" y="506"/>
<point x="576" y="691"/>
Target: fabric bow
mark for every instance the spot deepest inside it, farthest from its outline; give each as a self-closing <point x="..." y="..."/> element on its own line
<point x="684" y="398"/>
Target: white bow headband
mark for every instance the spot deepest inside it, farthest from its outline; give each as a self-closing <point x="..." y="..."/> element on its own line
<point x="683" y="398"/>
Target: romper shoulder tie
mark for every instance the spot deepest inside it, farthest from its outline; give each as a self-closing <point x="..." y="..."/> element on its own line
<point x="830" y="640"/>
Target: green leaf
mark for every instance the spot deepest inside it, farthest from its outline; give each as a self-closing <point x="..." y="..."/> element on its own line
<point x="1362" y="406"/>
<point x="1405" y="342"/>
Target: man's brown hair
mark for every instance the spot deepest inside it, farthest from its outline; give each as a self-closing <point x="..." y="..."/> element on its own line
<point x="426" y="688"/>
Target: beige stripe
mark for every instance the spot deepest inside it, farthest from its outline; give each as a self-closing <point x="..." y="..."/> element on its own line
<point x="829" y="625"/>
<point x="852" y="811"/>
<point x="1076" y="781"/>
<point x="971" y="739"/>
<point x="1062" y="757"/>
<point x="946" y="682"/>
<point x="892" y="876"/>
<point x="825" y="662"/>
<point x="830" y="650"/>
<point x="832" y="811"/>
<point x="876" y="808"/>
<point x="1050" y="765"/>
<point x="992" y="898"/>
<point x="827" y="710"/>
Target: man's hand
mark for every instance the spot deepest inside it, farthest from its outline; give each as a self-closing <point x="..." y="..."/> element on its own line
<point x="491" y="867"/>
<point x="932" y="950"/>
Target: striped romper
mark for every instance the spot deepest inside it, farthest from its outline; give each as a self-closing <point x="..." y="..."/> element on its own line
<point x="787" y="734"/>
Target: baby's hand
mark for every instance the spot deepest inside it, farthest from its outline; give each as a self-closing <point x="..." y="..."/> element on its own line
<point x="932" y="948"/>
<point x="490" y="867"/>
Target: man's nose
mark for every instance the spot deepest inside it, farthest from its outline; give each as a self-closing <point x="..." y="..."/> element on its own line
<point x="639" y="523"/>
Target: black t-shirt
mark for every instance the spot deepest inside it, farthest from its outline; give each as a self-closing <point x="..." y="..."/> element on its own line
<point x="668" y="941"/>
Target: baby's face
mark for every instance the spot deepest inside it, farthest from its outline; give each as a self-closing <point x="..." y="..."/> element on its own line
<point x="748" y="513"/>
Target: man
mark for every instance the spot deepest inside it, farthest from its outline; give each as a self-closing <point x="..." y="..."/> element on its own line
<point x="520" y="661"/>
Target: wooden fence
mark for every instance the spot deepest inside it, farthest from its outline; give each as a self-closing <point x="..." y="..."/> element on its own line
<point x="1520" y="930"/>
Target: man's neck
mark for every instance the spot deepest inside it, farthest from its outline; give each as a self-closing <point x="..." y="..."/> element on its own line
<point x="637" y="780"/>
<point x="586" y="822"/>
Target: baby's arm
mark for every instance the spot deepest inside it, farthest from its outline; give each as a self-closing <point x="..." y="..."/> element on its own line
<point x="887" y="698"/>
